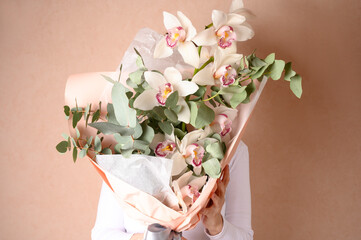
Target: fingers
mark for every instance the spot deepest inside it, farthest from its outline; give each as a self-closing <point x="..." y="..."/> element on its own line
<point x="222" y="182"/>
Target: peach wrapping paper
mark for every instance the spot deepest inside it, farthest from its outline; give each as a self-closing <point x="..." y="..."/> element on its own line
<point x="89" y="88"/>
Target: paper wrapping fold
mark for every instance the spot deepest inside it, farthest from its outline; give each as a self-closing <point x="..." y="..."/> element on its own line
<point x="90" y="88"/>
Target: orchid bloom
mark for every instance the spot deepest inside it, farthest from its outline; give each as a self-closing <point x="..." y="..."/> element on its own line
<point x="165" y="148"/>
<point x="223" y="71"/>
<point x="161" y="87"/>
<point x="194" y="154"/>
<point x="187" y="189"/>
<point x="222" y="123"/>
<point x="226" y="29"/>
<point x="180" y="32"/>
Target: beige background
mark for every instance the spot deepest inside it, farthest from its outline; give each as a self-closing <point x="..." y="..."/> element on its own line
<point x="305" y="154"/>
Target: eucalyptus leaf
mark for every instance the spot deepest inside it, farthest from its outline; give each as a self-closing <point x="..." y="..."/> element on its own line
<point x="205" y="115"/>
<point x="125" y="115"/>
<point x="148" y="133"/>
<point x="96" y="116"/>
<point x="172" y="100"/>
<point x="62" y="147"/>
<point x="159" y="112"/>
<point x="97" y="144"/>
<point x="276" y="69"/>
<point x="289" y="72"/>
<point x="76" y="118"/>
<point x="296" y="85"/>
<point x="179" y="133"/>
<point x="237" y="98"/>
<point x="171" y="115"/>
<point x="137" y="76"/>
<point x="67" y="111"/>
<point x="107" y="151"/>
<point x="110" y="128"/>
<point x="139" y="61"/>
<point x="65" y="136"/>
<point x="270" y="58"/>
<point x="83" y="153"/>
<point x="86" y="111"/>
<point x="111" y="114"/>
<point x="140" y="145"/>
<point x="77" y="132"/>
<point x="127" y="153"/>
<point x="126" y="142"/>
<point x="109" y="79"/>
<point x="212" y="168"/>
<point x="75" y="154"/>
<point x="216" y="150"/>
<point x="166" y="127"/>
<point x="89" y="141"/>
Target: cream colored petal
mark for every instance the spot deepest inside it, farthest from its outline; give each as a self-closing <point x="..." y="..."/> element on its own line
<point x="230" y="112"/>
<point x="146" y="100"/>
<point x="235" y="5"/>
<point x="189" y="53"/>
<point x="198" y="182"/>
<point x="187" y="25"/>
<point x="170" y="21"/>
<point x="206" y="37"/>
<point x="204" y="76"/>
<point x="243" y="32"/>
<point x="183" y="180"/>
<point x="154" y="79"/>
<point x="158" y="137"/>
<point x="178" y="193"/>
<point x="179" y="164"/>
<point x="172" y="75"/>
<point x="235" y="19"/>
<point x="197" y="170"/>
<point x="162" y="50"/>
<point x="219" y="18"/>
<point x="185" y="114"/>
<point x="185" y="88"/>
<point x="231" y="59"/>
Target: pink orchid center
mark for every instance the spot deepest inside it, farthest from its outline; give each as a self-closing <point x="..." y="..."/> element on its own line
<point x="164" y="148"/>
<point x="163" y="93"/>
<point x="226" y="36"/>
<point x="196" y="153"/>
<point x="191" y="192"/>
<point x="222" y="124"/>
<point x="226" y="75"/>
<point x="174" y="35"/>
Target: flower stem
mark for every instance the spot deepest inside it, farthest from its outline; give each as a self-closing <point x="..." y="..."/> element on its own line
<point x="205" y="100"/>
<point x="211" y="59"/>
<point x="209" y="25"/>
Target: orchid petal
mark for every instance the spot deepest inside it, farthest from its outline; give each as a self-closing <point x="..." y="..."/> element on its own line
<point x="231" y="59"/>
<point x="179" y="163"/>
<point x="185" y="88"/>
<point x="183" y="180"/>
<point x="198" y="182"/>
<point x="204" y="76"/>
<point x="229" y="50"/>
<point x="184" y="114"/>
<point x="187" y="25"/>
<point x="230" y="112"/>
<point x="243" y="32"/>
<point x="146" y="100"/>
<point x="170" y="21"/>
<point x="206" y="37"/>
<point x="235" y="19"/>
<point x="177" y="191"/>
<point x="235" y="5"/>
<point x="218" y="57"/>
<point x="158" y="137"/>
<point x="162" y="50"/>
<point x="219" y="18"/>
<point x="172" y="75"/>
<point x="197" y="169"/>
<point x="189" y="53"/>
<point x="190" y="138"/>
<point x="154" y="79"/>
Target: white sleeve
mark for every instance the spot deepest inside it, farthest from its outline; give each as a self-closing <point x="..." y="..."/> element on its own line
<point x="237" y="221"/>
<point x="109" y="221"/>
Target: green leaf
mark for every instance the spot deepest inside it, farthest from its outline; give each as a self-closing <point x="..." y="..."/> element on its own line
<point x="171" y="115"/>
<point x="179" y="133"/>
<point x="86" y="111"/>
<point x="216" y="150"/>
<point x="237" y="98"/>
<point x="177" y="108"/>
<point x="137" y="76"/>
<point x="172" y="100"/>
<point x="110" y="128"/>
<point x="140" y="145"/>
<point x="148" y="133"/>
<point x="111" y="114"/>
<point x="137" y="131"/>
<point x="296" y="85"/>
<point x="212" y="167"/>
<point x="67" y="111"/>
<point x="125" y="115"/>
<point x="75" y="154"/>
<point x="258" y="63"/>
<point x="107" y="151"/>
<point x="62" y="147"/>
<point x="131" y="84"/>
<point x="159" y="112"/>
<point x="139" y="61"/>
<point x="89" y="141"/>
<point x="65" y="136"/>
<point x="194" y="112"/>
<point x="259" y="73"/>
<point x="127" y="153"/>
<point x="109" y="79"/>
<point x="83" y="153"/>
<point x="289" y="72"/>
<point x="77" y="132"/>
<point x="270" y="58"/>
<point x="125" y="142"/>
<point x="166" y="127"/>
<point x="199" y="93"/>
<point x="97" y="144"/>
<point x="202" y="113"/>
<point x="276" y="69"/>
<point x="76" y="118"/>
<point x="96" y="116"/>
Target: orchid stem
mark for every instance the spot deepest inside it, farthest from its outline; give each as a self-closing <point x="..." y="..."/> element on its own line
<point x="205" y="100"/>
<point x="211" y="59"/>
<point x="209" y="25"/>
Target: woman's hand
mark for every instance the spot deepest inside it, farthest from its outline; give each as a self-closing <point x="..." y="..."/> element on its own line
<point x="212" y="217"/>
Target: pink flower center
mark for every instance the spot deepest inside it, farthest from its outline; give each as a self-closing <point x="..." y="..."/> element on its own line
<point x="175" y="35"/>
<point x="222" y="124"/>
<point x="226" y="36"/>
<point x="164" y="92"/>
<point x="196" y="153"/>
<point x="226" y="74"/>
<point x="165" y="148"/>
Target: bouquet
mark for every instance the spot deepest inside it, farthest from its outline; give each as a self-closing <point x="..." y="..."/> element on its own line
<point x="169" y="119"/>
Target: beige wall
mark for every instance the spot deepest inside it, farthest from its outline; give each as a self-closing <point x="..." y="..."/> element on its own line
<point x="305" y="155"/>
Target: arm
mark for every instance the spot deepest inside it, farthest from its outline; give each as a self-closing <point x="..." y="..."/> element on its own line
<point x="109" y="224"/>
<point x="237" y="221"/>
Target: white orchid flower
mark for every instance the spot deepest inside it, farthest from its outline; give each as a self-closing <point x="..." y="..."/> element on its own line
<point x="222" y="72"/>
<point x="180" y="33"/>
<point x="161" y="87"/>
<point x="226" y="29"/>
<point x="222" y="122"/>
<point x="187" y="189"/>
